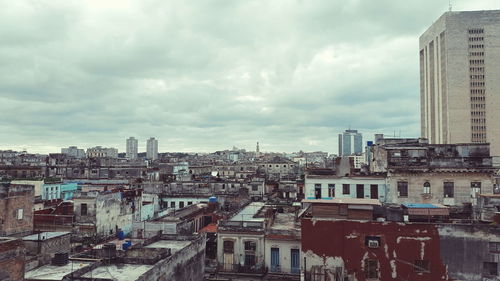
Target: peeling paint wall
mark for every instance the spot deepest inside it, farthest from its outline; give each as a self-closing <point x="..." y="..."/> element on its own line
<point x="339" y="247"/>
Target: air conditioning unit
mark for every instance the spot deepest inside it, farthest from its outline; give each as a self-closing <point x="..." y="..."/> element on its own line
<point x="372" y="244"/>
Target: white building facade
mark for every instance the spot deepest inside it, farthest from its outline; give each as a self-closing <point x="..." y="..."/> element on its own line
<point x="152" y="149"/>
<point x="459" y="85"/>
<point x="132" y="148"/>
<point x="330" y="186"/>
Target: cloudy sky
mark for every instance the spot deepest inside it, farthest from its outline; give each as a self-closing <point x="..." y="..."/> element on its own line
<point x="208" y="75"/>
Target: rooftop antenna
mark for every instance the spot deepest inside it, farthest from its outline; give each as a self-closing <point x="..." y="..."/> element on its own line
<point x="449" y="5"/>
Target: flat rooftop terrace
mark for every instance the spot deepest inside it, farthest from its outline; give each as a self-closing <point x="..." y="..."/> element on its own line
<point x="124" y="272"/>
<point x="53" y="272"/>
<point x="248" y="212"/>
<point x="173" y="245"/>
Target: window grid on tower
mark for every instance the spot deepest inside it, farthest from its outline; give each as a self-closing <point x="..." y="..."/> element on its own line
<point x="477" y="85"/>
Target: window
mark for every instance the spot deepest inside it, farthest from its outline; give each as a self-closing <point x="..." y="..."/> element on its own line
<point x="402" y="189"/>
<point x="228" y="247"/>
<point x="172" y="205"/>
<point x="19" y="214"/>
<point x="331" y="190"/>
<point x="346" y="189"/>
<point x="372" y="241"/>
<point x="490" y="268"/>
<point x="181" y="204"/>
<point x="360" y="191"/>
<point x="317" y="190"/>
<point x="448" y="189"/>
<point x="371" y="270"/>
<point x="83" y="209"/>
<point x="250" y="246"/>
<point x="421" y="266"/>
<point x="374" y="191"/>
<point x="427" y="188"/>
<point x="275" y="259"/>
<point x="190" y="203"/>
<point x="475" y="188"/>
<point x="494" y="247"/>
<point x="255" y="187"/>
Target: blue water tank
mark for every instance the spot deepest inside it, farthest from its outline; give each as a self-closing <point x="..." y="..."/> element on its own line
<point x="212" y="199"/>
<point x="121" y="235"/>
<point x="126" y="245"/>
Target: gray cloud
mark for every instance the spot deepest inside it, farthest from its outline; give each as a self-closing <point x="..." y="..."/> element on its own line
<point x="209" y="75"/>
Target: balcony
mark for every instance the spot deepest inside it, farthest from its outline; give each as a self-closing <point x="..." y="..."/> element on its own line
<point x="238" y="268"/>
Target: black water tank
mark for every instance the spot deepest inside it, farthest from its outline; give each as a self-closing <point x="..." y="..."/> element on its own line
<point x="60" y="259"/>
<point x="109" y="250"/>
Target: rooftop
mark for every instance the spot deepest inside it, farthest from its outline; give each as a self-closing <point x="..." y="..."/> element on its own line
<point x="44" y="236"/>
<point x="173" y="245"/>
<point x="53" y="272"/>
<point x="248" y="213"/>
<point x="119" y="272"/>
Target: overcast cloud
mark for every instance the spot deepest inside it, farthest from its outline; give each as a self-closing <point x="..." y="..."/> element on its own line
<point x="207" y="75"/>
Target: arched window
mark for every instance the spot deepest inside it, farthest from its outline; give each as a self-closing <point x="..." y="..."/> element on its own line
<point x="427" y="188"/>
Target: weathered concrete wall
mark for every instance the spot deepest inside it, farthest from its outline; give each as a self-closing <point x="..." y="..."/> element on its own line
<point x="239" y="240"/>
<point x="187" y="264"/>
<point x="464" y="248"/>
<point x="12" y="256"/>
<point x="46" y="248"/>
<point x="462" y="187"/>
<point x="285" y="256"/>
<point x="16" y="209"/>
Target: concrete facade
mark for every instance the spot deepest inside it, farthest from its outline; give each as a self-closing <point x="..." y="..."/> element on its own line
<point x="429" y="187"/>
<point x="132" y="148"/>
<point x="16" y="209"/>
<point x="330" y="186"/>
<point x="152" y="149"/>
<point x="459" y="82"/>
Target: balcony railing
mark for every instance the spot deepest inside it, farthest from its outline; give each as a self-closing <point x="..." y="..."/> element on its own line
<point x="238" y="268"/>
<point x="278" y="269"/>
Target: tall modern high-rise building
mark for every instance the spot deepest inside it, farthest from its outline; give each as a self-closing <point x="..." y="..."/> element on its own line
<point x="350" y="142"/>
<point x="152" y="149"/>
<point x="132" y="148"/>
<point x="460" y="79"/>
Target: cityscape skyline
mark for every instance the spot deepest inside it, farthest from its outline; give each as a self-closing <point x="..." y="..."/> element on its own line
<point x="290" y="96"/>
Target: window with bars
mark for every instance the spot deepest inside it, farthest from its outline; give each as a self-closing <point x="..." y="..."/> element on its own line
<point x="371" y="268"/>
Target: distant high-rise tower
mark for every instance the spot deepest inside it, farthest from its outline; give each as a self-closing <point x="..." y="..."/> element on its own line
<point x="152" y="149"/>
<point x="350" y="142"/>
<point x="132" y="150"/>
<point x="257" y="150"/>
<point x="459" y="79"/>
